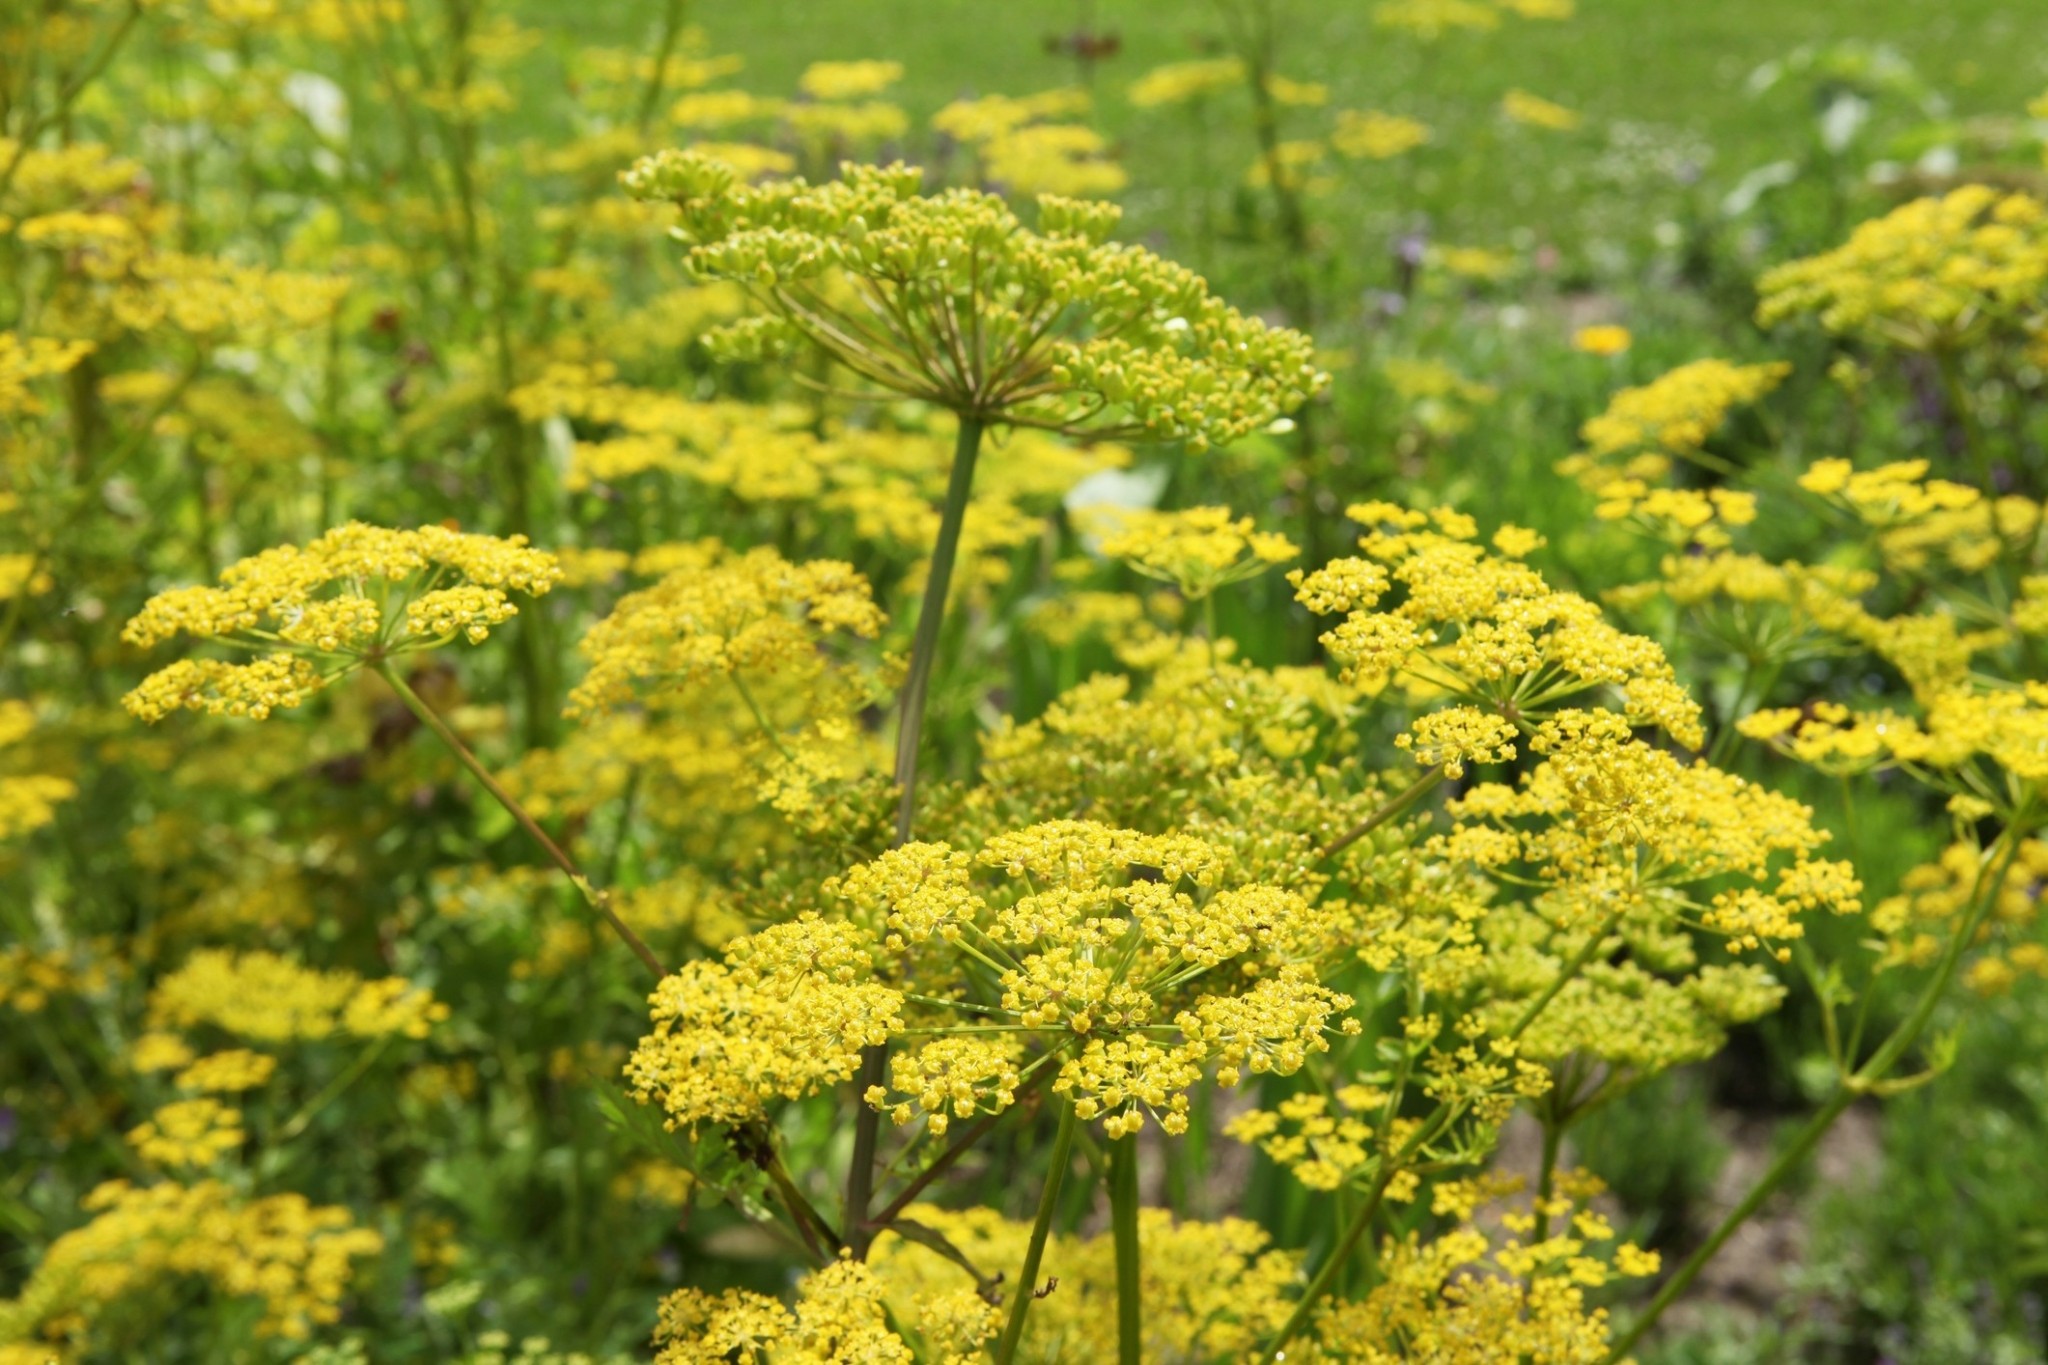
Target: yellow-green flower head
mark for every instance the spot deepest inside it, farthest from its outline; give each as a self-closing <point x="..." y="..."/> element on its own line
<point x="270" y="999"/>
<point x="1602" y="339"/>
<point x="1522" y="107"/>
<point x="1370" y="135"/>
<point x="1486" y="628"/>
<point x="357" y="594"/>
<point x="1431" y="19"/>
<point x="1198" y="549"/>
<point x="1622" y="827"/>
<point x="194" y="1132"/>
<point x="785" y="1015"/>
<point x="1986" y="745"/>
<point x="1181" y="82"/>
<point x="848" y="80"/>
<point x="840" y="1315"/>
<point x="1213" y="1291"/>
<point x="1089" y="938"/>
<point x="28" y="801"/>
<point x="286" y="1255"/>
<point x="1644" y="427"/>
<point x="25" y="360"/>
<point x="1890" y="494"/>
<point x="754" y="613"/>
<point x="1930" y="274"/>
<point x="951" y="299"/>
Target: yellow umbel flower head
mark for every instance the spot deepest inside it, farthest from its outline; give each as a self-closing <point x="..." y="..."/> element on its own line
<point x="1645" y="427"/>
<point x="950" y="298"/>
<point x="1929" y="275"/>
<point x="357" y="595"/>
<point x="1198" y="549"/>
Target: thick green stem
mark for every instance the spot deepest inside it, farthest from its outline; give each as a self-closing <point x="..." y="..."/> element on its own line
<point x="924" y="648"/>
<point x="1546" y="1174"/>
<point x="596" y="899"/>
<point x="1034" y="1253"/>
<point x="1123" y="1222"/>
<point x="931" y="616"/>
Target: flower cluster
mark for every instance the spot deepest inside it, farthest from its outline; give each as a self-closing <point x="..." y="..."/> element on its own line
<point x="1086" y="962"/>
<point x="783" y="1015"/>
<point x="1467" y="1296"/>
<point x="952" y="299"/>
<point x="295" y="1258"/>
<point x="750" y="614"/>
<point x="1481" y="627"/>
<point x="1024" y="146"/>
<point x="1197" y="549"/>
<point x="1646" y="427"/>
<point x="355" y="595"/>
<point x="265" y="998"/>
<point x="1930" y="275"/>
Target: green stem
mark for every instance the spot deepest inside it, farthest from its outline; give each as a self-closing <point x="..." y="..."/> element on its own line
<point x="1851" y="1088"/>
<point x="1546" y="1176"/>
<point x="671" y="29"/>
<point x="930" y="617"/>
<point x="1787" y="1162"/>
<point x="760" y="716"/>
<point x="874" y="1062"/>
<point x="301" y="1120"/>
<point x="68" y="95"/>
<point x="963" y="1143"/>
<point x="1123" y="1221"/>
<point x="1444" y="1114"/>
<point x="1394" y="806"/>
<point x="1034" y="1252"/>
<point x="596" y="899"/>
<point x="817" y="1234"/>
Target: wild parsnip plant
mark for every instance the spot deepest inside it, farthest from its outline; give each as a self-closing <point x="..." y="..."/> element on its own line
<point x="638" y="725"/>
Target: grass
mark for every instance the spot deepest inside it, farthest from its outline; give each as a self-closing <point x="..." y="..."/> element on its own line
<point x="1986" y="55"/>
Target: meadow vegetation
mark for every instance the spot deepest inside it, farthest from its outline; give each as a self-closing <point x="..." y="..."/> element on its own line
<point x="938" y="682"/>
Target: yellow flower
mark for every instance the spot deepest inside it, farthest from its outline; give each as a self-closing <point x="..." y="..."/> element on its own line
<point x="294" y="1258"/>
<point x="267" y="998"/>
<point x="1180" y="82"/>
<point x="848" y="80"/>
<point x="1932" y="273"/>
<point x="1199" y="549"/>
<point x="1430" y="19"/>
<point x="228" y="1072"/>
<point x="189" y="1133"/>
<point x="1604" y="340"/>
<point x="1458" y="735"/>
<point x="1368" y="134"/>
<point x="786" y="1014"/>
<point x="755" y="612"/>
<point x="277" y="601"/>
<point x="1672" y="416"/>
<point x="1073" y="333"/>
<point x="1523" y="107"/>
